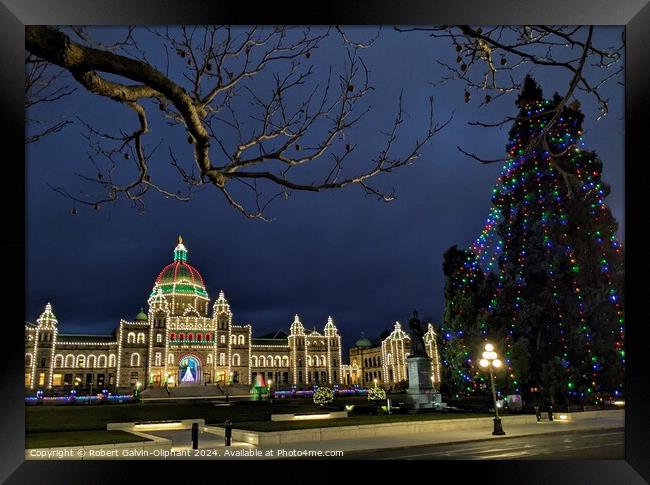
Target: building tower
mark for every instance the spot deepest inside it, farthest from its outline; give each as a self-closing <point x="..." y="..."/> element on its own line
<point x="43" y="351"/>
<point x="297" y="350"/>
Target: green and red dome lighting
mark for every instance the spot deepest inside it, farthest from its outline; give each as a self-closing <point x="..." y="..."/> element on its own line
<point x="181" y="283"/>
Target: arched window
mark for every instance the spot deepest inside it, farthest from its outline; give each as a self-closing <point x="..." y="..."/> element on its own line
<point x="135" y="359"/>
<point x="159" y="338"/>
<point x="58" y="361"/>
<point x="269" y="361"/>
<point x="92" y="360"/>
<point x="170" y="358"/>
<point x="223" y="339"/>
<point x="278" y="361"/>
<point x="190" y="336"/>
<point x="241" y="340"/>
<point x="222" y="358"/>
<point x="130" y="338"/>
<point x="199" y="337"/>
<point x="69" y="361"/>
<point x="316" y="361"/>
<point x="81" y="361"/>
<point x="254" y="362"/>
<point x="365" y="362"/>
<point x="101" y="361"/>
<point x="111" y="360"/>
<point x="285" y="361"/>
<point x="141" y="337"/>
<point x="181" y="337"/>
<point x="172" y="336"/>
<point x="208" y="359"/>
<point x="236" y="360"/>
<point x="233" y="339"/>
<point x="208" y="337"/>
<point x="323" y="360"/>
<point x="309" y="360"/>
<point x="157" y="359"/>
<point x="262" y="361"/>
<point x="28" y="360"/>
<point x="379" y="361"/>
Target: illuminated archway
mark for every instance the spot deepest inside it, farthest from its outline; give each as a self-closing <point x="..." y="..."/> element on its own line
<point x="189" y="370"/>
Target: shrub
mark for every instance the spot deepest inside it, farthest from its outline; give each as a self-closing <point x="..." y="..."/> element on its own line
<point x="323" y="395"/>
<point x="376" y="394"/>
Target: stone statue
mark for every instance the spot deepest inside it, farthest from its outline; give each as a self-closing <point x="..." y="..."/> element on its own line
<point x="417" y="336"/>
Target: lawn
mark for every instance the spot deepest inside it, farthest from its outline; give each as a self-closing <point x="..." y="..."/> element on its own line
<point x="79" y="438"/>
<point x="351" y="421"/>
<point x="95" y="417"/>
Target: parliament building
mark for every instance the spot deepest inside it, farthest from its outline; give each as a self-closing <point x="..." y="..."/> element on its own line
<point x="182" y="340"/>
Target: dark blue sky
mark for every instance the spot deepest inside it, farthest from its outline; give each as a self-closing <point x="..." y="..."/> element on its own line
<point x="336" y="253"/>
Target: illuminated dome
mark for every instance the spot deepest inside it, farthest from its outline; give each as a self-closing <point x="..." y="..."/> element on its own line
<point x="182" y="284"/>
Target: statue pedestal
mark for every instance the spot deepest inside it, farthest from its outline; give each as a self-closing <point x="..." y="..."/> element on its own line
<point x="421" y="394"/>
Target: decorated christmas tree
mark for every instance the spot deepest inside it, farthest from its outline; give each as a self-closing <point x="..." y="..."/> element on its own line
<point x="556" y="308"/>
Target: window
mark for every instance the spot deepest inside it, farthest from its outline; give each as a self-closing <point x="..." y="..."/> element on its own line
<point x="208" y="337"/>
<point x="81" y="361"/>
<point x="69" y="361"/>
<point x="208" y="360"/>
<point x="28" y="360"/>
<point x="236" y="360"/>
<point x="181" y="337"/>
<point x="309" y="361"/>
<point x="269" y="361"/>
<point x="300" y="377"/>
<point x="262" y="361"/>
<point x="67" y="380"/>
<point x="130" y="338"/>
<point x="56" y="379"/>
<point x="43" y="359"/>
<point x="190" y="336"/>
<point x="233" y="339"/>
<point x="170" y="358"/>
<point x="101" y="361"/>
<point x="111" y="360"/>
<point x="235" y="376"/>
<point x="199" y="337"/>
<point x="223" y="339"/>
<point x="135" y="359"/>
<point x="159" y="337"/>
<point x="172" y="336"/>
<point x="58" y="361"/>
<point x="91" y="361"/>
<point x="278" y="361"/>
<point x="41" y="378"/>
<point x="141" y="338"/>
<point x="158" y="359"/>
<point x="222" y="359"/>
<point x="336" y="379"/>
<point x="285" y="361"/>
<point x="241" y="340"/>
<point x="316" y="361"/>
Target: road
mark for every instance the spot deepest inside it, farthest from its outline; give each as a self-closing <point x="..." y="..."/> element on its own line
<point x="594" y="445"/>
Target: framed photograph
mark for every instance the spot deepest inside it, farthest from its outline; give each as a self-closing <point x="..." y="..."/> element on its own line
<point x="352" y="232"/>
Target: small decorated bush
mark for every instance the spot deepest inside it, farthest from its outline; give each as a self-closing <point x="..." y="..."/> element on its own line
<point x="376" y="394"/>
<point x="323" y="395"/>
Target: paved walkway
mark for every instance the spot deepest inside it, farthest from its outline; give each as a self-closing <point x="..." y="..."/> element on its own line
<point x="181" y="439"/>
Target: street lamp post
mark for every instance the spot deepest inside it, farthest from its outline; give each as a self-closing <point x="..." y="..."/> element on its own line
<point x="490" y="360"/>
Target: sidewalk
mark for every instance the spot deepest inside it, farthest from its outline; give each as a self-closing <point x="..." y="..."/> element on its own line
<point x="608" y="420"/>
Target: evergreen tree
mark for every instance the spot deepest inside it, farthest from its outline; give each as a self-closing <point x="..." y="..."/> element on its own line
<point x="557" y="308"/>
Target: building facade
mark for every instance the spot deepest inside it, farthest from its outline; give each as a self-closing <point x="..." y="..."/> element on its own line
<point x="384" y="362"/>
<point x="179" y="341"/>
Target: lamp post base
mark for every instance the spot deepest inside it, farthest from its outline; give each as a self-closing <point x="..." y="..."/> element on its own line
<point x="498" y="429"/>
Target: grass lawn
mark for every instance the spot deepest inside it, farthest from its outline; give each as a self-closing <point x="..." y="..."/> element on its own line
<point x="95" y="417"/>
<point x="79" y="438"/>
<point x="351" y="421"/>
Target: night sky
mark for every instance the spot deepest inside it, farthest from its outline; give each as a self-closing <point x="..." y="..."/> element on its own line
<point x="338" y="253"/>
